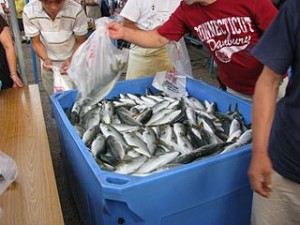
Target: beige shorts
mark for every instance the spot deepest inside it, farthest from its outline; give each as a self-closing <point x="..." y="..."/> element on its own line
<point x="281" y="208"/>
<point x="281" y="92"/>
<point x="147" y="62"/>
<point x="47" y="80"/>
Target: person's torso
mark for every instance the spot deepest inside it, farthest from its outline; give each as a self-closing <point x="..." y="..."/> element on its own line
<point x="284" y="139"/>
<point x="229" y="29"/>
<point x="149" y="14"/>
<point x="57" y="35"/>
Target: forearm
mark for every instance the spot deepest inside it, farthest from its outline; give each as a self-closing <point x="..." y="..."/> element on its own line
<point x="146" y="39"/>
<point x="10" y="54"/>
<point x="11" y="60"/>
<point x="264" y="104"/>
<point x="39" y="48"/>
<point x="142" y="38"/>
<point x="130" y="24"/>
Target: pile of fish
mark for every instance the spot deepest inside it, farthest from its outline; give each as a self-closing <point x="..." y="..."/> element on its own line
<point x="142" y="134"/>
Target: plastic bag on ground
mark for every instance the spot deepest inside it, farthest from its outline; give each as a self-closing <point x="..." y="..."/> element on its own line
<point x="97" y="65"/>
<point x="8" y="171"/>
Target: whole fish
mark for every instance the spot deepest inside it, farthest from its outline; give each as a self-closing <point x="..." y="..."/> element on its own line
<point x="137" y="144"/>
<point x="90" y="134"/>
<point x="156" y="162"/>
<point x="98" y="146"/>
<point x="203" y="151"/>
<point x="115" y="147"/>
<point x="108" y="130"/>
<point x="130" y="166"/>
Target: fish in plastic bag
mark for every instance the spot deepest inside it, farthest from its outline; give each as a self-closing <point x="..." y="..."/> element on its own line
<point x="97" y="65"/>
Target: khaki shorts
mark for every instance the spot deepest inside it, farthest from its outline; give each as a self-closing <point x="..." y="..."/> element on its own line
<point x="147" y="62"/>
<point x="47" y="80"/>
<point x="281" y="208"/>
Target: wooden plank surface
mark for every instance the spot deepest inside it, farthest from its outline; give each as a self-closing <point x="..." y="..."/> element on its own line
<point x="33" y="198"/>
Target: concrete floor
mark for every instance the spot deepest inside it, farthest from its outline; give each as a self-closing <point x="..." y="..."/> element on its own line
<point x="201" y="70"/>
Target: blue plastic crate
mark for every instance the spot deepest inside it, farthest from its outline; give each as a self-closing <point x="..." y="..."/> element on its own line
<point x="212" y="191"/>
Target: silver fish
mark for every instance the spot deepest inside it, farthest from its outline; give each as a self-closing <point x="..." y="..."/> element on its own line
<point x="167" y="118"/>
<point x="130" y="166"/>
<point x="98" y="145"/>
<point x="115" y="147"/>
<point x="108" y="129"/>
<point x="137" y="144"/>
<point x="156" y="162"/>
<point x="245" y="138"/>
<point x="90" y="134"/>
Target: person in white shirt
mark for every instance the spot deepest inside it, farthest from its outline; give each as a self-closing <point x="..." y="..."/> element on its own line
<point x="56" y="28"/>
<point x="147" y="15"/>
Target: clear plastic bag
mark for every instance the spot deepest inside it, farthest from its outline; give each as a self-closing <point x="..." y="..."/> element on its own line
<point x="180" y="58"/>
<point x="8" y="171"/>
<point x="97" y="65"/>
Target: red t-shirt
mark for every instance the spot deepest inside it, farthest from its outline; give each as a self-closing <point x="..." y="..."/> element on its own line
<point x="229" y="29"/>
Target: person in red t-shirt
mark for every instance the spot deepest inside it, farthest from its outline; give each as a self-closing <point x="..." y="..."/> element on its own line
<point x="228" y="28"/>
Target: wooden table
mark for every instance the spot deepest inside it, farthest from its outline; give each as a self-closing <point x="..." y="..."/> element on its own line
<point x="33" y="198"/>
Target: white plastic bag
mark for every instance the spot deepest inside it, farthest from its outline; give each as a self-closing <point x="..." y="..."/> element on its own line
<point x="61" y="82"/>
<point x="180" y="58"/>
<point x="171" y="83"/>
<point x="174" y="82"/>
<point x="8" y="171"/>
<point x="97" y="65"/>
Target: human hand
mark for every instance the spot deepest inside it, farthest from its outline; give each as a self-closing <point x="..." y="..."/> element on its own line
<point x="17" y="81"/>
<point x="259" y="173"/>
<point x="115" y="30"/>
<point x="47" y="64"/>
<point x="65" y="66"/>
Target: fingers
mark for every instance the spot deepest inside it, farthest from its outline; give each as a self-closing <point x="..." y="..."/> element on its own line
<point x="63" y="71"/>
<point x="64" y="68"/>
<point x="17" y="81"/>
<point x="261" y="185"/>
<point x="47" y="65"/>
<point x="115" y="30"/>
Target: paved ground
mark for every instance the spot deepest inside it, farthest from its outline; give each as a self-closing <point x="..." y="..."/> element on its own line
<point x="201" y="70"/>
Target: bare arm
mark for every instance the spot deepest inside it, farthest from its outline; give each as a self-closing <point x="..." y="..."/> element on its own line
<point x="264" y="104"/>
<point x="142" y="38"/>
<point x="130" y="24"/>
<point x="40" y="50"/>
<point x="7" y="43"/>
